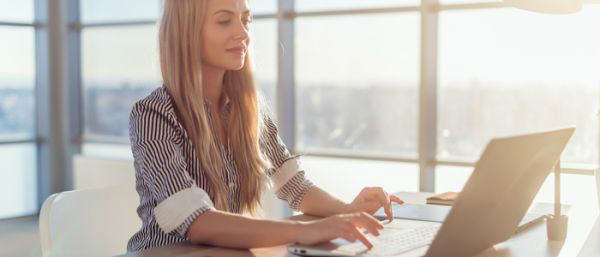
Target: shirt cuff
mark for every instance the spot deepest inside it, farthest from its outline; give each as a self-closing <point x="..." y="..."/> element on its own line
<point x="285" y="173"/>
<point x="294" y="190"/>
<point x="176" y="213"/>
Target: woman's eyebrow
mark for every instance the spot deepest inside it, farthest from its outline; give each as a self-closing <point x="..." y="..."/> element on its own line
<point x="230" y="12"/>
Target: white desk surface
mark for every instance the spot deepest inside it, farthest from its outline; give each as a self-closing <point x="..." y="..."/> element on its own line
<point x="583" y="240"/>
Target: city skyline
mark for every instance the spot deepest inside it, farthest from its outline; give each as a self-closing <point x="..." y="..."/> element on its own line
<point x="363" y="119"/>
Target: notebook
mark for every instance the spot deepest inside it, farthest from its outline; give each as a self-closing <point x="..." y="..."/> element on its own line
<point x="446" y="198"/>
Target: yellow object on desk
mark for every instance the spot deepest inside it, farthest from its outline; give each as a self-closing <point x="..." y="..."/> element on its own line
<point x="446" y="198"/>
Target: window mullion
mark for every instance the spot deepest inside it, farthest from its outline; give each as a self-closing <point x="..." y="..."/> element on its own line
<point x="428" y="96"/>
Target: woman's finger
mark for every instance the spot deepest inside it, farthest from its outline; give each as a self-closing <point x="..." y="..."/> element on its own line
<point x="388" y="205"/>
<point x="349" y="236"/>
<point x="382" y="197"/>
<point x="396" y="199"/>
<point x="360" y="236"/>
<point x="372" y="220"/>
<point x="368" y="222"/>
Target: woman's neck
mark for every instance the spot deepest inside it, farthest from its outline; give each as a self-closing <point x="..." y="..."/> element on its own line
<point x="212" y="84"/>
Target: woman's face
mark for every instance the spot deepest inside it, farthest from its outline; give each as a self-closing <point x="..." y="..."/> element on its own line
<point x="225" y="34"/>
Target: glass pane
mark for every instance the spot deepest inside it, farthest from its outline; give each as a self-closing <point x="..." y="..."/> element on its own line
<point x="17" y="79"/>
<point x="263" y="6"/>
<point x="119" y="66"/>
<point x="107" y="150"/>
<point x="450" y="178"/>
<point x="534" y="73"/>
<point x="575" y="189"/>
<point x="118" y="10"/>
<point x="16" y="11"/>
<point x="327" y="173"/>
<point x="264" y="49"/>
<point x="18" y="180"/>
<point x="358" y="92"/>
<point x="320" y="5"/>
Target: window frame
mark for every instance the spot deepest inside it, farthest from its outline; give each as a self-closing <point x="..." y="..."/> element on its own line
<point x="33" y="138"/>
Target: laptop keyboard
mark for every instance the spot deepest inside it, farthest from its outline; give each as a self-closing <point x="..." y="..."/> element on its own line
<point x="393" y="241"/>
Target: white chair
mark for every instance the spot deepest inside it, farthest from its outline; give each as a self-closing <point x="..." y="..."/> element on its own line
<point x="90" y="222"/>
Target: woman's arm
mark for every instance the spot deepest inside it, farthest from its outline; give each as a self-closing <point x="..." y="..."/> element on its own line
<point x="236" y="231"/>
<point x="232" y="230"/>
<point x="318" y="202"/>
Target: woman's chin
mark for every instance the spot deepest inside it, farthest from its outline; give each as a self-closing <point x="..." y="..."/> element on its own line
<point x="236" y="67"/>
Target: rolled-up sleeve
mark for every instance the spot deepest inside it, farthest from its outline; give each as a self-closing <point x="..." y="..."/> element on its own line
<point x="161" y="166"/>
<point x="288" y="181"/>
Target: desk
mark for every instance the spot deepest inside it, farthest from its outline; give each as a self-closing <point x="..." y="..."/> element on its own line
<point x="584" y="225"/>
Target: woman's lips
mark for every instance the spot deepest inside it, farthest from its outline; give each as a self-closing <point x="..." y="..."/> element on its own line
<point x="237" y="50"/>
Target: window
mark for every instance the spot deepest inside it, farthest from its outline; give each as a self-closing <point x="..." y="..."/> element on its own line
<point x="17" y="80"/>
<point x="259" y="7"/>
<point x="500" y="78"/>
<point x="93" y="11"/>
<point x="113" y="83"/>
<point x="18" y="180"/>
<point x="327" y="173"/>
<point x="264" y="50"/>
<point x="16" y="11"/>
<point x="318" y="5"/>
<point x="357" y="86"/>
<point x="18" y="152"/>
<point x="451" y="179"/>
<point x="107" y="150"/>
<point x="575" y="189"/>
<point x="357" y="81"/>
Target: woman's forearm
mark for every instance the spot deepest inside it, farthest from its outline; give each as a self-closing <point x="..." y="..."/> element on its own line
<point x="317" y="202"/>
<point x="236" y="231"/>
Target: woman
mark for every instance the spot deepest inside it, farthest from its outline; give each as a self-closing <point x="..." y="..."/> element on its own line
<point x="204" y="152"/>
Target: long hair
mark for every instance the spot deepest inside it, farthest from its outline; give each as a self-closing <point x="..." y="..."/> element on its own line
<point x="180" y="39"/>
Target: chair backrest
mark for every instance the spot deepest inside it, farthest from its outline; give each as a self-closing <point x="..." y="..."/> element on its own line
<point x="89" y="222"/>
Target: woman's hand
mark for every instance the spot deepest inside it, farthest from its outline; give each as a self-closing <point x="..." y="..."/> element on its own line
<point x="370" y="199"/>
<point x="346" y="226"/>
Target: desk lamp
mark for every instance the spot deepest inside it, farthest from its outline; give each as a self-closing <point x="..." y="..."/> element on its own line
<point x="556" y="224"/>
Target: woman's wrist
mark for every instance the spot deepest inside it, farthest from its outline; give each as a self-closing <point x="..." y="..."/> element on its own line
<point x="347" y="208"/>
<point x="293" y="230"/>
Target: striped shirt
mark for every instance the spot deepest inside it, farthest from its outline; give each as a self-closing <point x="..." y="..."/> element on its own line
<point x="172" y="187"/>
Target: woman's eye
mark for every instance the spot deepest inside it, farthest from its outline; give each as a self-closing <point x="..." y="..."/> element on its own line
<point x="224" y="22"/>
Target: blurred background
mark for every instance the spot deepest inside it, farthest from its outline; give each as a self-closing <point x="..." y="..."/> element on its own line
<point x="398" y="93"/>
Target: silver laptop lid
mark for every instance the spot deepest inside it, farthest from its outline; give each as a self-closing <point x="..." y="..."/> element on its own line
<point x="497" y="195"/>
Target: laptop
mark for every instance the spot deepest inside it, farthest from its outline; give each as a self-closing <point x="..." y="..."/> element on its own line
<point x="493" y="202"/>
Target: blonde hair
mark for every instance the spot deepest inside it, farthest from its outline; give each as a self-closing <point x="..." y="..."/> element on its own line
<point x="180" y="39"/>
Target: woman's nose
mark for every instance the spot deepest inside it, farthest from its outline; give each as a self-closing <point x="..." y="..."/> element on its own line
<point x="241" y="31"/>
